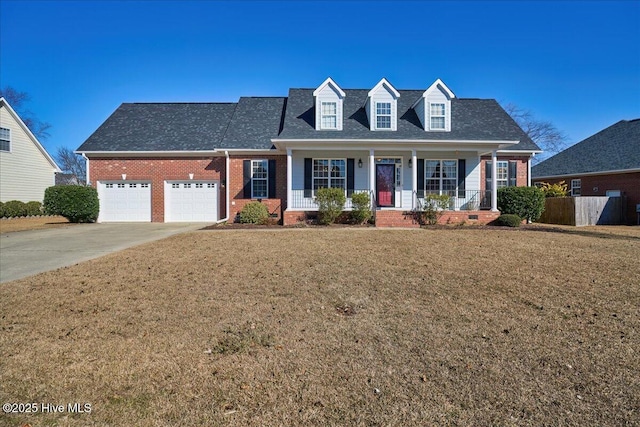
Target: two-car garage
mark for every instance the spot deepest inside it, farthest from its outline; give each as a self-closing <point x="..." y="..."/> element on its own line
<point x="184" y="201"/>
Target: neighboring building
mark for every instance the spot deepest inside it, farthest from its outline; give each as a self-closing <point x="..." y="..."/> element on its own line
<point x="605" y="164"/>
<point x="26" y="169"/>
<point x="67" y="179"/>
<point x="205" y="161"/>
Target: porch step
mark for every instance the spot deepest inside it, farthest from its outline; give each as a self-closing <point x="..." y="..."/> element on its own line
<point x="390" y="218"/>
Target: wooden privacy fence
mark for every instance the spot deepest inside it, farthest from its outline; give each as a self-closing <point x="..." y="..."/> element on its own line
<point x="583" y="210"/>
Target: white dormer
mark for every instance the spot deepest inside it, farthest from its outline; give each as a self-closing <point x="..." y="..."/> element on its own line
<point x="434" y="107"/>
<point x="382" y="107"/>
<point x="329" y="97"/>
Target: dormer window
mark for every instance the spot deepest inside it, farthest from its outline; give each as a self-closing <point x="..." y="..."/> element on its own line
<point x="382" y="107"/>
<point x="437" y="116"/>
<point x="329" y="115"/>
<point x="383" y="115"/>
<point x="328" y="99"/>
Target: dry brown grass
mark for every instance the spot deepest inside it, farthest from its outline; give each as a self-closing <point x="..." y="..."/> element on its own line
<point x="35" y="223"/>
<point x="334" y="327"/>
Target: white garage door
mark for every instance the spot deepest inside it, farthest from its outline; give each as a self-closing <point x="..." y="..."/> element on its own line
<point x="190" y="201"/>
<point x="124" y="201"/>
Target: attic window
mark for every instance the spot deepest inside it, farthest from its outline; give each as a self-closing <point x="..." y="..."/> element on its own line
<point x="329" y="115"/>
<point x="5" y="139"/>
<point x="383" y="115"/>
<point x="437" y="116"/>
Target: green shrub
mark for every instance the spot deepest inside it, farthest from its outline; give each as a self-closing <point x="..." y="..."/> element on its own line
<point x="331" y="203"/>
<point x="508" y="220"/>
<point x="526" y="202"/>
<point x="361" y="208"/>
<point x="555" y="190"/>
<point x="2" y="215"/>
<point x="15" y="208"/>
<point x="433" y="208"/>
<point x="34" y="208"/>
<point x="254" y="213"/>
<point x="77" y="203"/>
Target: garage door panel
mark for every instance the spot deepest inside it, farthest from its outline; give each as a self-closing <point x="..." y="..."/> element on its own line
<point x="191" y="201"/>
<point x="125" y="201"/>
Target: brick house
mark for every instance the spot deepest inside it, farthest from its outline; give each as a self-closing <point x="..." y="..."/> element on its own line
<point x="205" y="161"/>
<point x="604" y="164"/>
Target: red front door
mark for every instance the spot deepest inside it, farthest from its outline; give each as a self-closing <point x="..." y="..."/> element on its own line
<point x="385" y="188"/>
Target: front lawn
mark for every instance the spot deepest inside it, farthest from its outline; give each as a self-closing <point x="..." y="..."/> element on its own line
<point x="333" y="327"/>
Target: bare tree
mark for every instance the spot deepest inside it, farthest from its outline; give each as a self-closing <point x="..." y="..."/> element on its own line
<point x="18" y="101"/>
<point x="72" y="163"/>
<point x="543" y="133"/>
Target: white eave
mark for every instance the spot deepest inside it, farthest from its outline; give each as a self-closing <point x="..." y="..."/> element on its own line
<point x="433" y="87"/>
<point x="30" y="135"/>
<point x="381" y="83"/>
<point x="579" y="174"/>
<point x="331" y="83"/>
<point x="393" y="144"/>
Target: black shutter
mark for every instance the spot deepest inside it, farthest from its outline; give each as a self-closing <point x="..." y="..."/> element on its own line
<point x="487" y="176"/>
<point x="513" y="174"/>
<point x="421" y="177"/>
<point x="350" y="176"/>
<point x="272" y="179"/>
<point x="308" y="170"/>
<point x="462" y="172"/>
<point x="246" y="178"/>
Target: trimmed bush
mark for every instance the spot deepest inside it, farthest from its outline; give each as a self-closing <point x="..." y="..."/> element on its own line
<point x="2" y="215"/>
<point x="508" y="220"/>
<point x="433" y="208"/>
<point x="15" y="208"/>
<point x="526" y="202"/>
<point x="34" y="208"/>
<point x="361" y="204"/>
<point x="331" y="203"/>
<point x="254" y="213"/>
<point x="77" y="203"/>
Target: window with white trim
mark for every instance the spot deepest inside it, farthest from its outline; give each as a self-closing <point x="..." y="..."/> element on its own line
<point x="576" y="187"/>
<point x="502" y="174"/>
<point x="5" y="139"/>
<point x="441" y="177"/>
<point x="383" y="115"/>
<point x="329" y="173"/>
<point x="329" y="115"/>
<point x="437" y="116"/>
<point x="259" y="178"/>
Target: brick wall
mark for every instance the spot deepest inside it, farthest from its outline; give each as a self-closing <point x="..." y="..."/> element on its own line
<point x="157" y="170"/>
<point x="597" y="185"/>
<point x="521" y="169"/>
<point x="236" y="184"/>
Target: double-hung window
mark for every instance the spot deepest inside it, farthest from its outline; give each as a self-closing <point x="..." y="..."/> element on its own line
<point x="437" y="116"/>
<point x="383" y="115"/>
<point x="259" y="177"/>
<point x="329" y="115"/>
<point x="5" y="139"/>
<point x="576" y="187"/>
<point x="329" y="173"/>
<point x="441" y="176"/>
<point x="502" y="174"/>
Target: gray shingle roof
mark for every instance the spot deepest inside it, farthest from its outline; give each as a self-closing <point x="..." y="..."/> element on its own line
<point x="255" y="122"/>
<point x="251" y="123"/>
<point x="614" y="148"/>
<point x="162" y="127"/>
<point x="471" y="119"/>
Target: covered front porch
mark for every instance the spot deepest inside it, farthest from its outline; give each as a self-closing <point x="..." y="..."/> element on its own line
<point x="396" y="179"/>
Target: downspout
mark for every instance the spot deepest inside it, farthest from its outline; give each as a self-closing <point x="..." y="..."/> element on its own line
<point x="529" y="169"/>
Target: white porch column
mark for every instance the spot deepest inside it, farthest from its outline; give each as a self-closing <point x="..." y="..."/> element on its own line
<point x="372" y="173"/>
<point x="414" y="179"/>
<point x="494" y="186"/>
<point x="289" y="179"/>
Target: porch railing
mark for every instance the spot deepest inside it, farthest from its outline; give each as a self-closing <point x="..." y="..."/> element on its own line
<point x="470" y="200"/>
<point x="299" y="201"/>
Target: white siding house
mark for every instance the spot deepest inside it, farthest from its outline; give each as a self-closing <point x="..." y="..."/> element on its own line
<point x="26" y="169"/>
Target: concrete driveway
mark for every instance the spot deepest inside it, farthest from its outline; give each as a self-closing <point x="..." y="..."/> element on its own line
<point x="25" y="253"/>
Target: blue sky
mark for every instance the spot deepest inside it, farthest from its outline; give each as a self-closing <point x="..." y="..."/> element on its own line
<point x="574" y="63"/>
